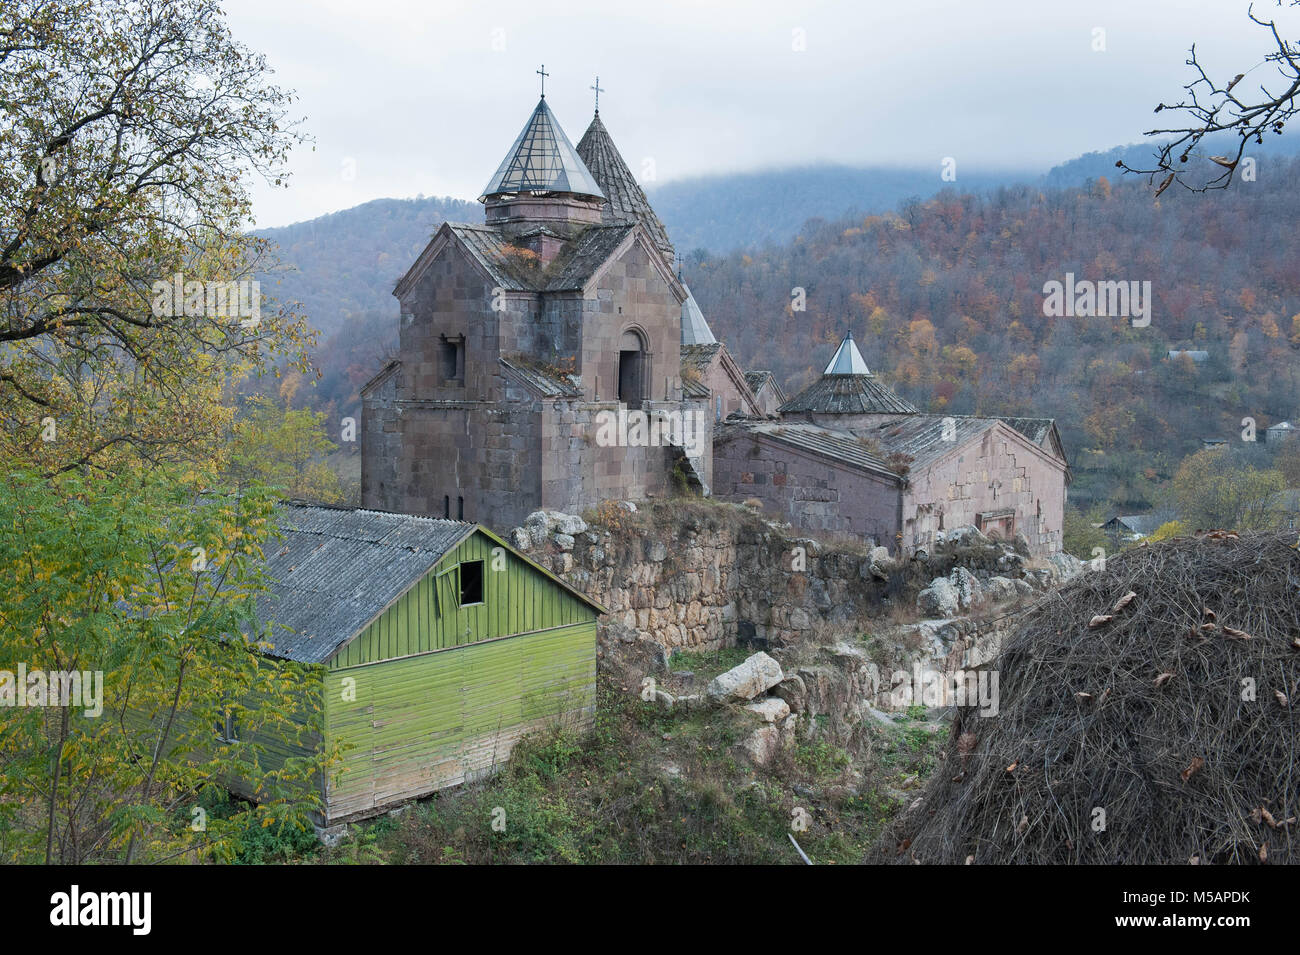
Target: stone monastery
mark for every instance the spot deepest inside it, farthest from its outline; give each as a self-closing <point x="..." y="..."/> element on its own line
<point x="547" y="352"/>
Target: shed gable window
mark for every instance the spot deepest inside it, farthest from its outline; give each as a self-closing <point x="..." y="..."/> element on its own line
<point x="228" y="728"/>
<point x="471" y="582"/>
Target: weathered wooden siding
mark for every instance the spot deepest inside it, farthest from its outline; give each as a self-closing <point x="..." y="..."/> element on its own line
<point x="413" y="725"/>
<point x="518" y="598"/>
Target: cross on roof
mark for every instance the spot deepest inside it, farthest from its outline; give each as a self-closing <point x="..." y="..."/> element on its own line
<point x="598" y="92"/>
<point x="542" y="72"/>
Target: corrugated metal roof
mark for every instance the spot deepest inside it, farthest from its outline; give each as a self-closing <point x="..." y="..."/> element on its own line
<point x="335" y="570"/>
<point x="626" y="201"/>
<point x="542" y="160"/>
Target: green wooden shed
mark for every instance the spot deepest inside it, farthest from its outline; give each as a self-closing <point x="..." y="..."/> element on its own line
<point x="437" y="647"/>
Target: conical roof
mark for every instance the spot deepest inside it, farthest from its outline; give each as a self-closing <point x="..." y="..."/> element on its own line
<point x="627" y="201"/>
<point x="847" y="360"/>
<point x="848" y="387"/>
<point x="542" y="160"/>
<point x="695" y="330"/>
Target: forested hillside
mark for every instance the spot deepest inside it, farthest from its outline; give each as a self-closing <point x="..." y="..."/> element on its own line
<point x="946" y="299"/>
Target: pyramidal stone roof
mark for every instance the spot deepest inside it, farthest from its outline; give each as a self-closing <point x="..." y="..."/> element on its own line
<point x="695" y="330"/>
<point x="847" y="386"/>
<point x="626" y="200"/>
<point x="542" y="160"/>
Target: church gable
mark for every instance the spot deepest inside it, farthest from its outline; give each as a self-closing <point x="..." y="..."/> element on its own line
<point x="631" y="330"/>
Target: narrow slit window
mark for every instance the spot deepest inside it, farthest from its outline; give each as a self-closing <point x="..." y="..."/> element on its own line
<point x="471" y="582"/>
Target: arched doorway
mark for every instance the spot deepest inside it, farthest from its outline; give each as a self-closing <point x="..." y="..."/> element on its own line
<point x="633" y="368"/>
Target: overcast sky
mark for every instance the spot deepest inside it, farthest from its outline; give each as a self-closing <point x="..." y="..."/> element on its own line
<point x="406" y="97"/>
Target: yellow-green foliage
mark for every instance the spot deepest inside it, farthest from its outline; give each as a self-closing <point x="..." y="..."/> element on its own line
<point x="1167" y="530"/>
<point x="148" y="583"/>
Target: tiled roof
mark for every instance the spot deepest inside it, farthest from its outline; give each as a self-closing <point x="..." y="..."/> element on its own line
<point x="848" y="394"/>
<point x="840" y="445"/>
<point x="337" y="569"/>
<point x="699" y="356"/>
<point x="549" y="383"/>
<point x="626" y="201"/>
<point x="583" y="256"/>
<point x="922" y="436"/>
<point x="509" y="267"/>
<point x="542" y="160"/>
<point x="517" y="270"/>
<point x="693" y="387"/>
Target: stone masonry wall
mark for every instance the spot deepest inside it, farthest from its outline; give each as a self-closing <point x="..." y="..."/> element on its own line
<point x="702" y="576"/>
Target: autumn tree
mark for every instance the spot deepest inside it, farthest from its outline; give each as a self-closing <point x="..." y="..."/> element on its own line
<point x="145" y="588"/>
<point x="1213" y="488"/>
<point x="276" y="444"/>
<point x="129" y="133"/>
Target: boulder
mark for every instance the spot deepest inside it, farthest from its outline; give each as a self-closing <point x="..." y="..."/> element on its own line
<point x="564" y="541"/>
<point x="1000" y="590"/>
<point x="794" y="691"/>
<point x="967" y="535"/>
<point x="1066" y="565"/>
<point x="521" y="539"/>
<point x="570" y="524"/>
<point x="879" y="563"/>
<point x="756" y="675"/>
<point x="762" y="745"/>
<point x="538" y="525"/>
<point x="771" y="709"/>
<point x="939" y="599"/>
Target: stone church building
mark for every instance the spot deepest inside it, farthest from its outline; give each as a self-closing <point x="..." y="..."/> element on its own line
<point x="519" y="337"/>
<point x="551" y="357"/>
<point x="848" y="455"/>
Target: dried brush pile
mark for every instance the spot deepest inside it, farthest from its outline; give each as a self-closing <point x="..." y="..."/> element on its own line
<point x="1148" y="713"/>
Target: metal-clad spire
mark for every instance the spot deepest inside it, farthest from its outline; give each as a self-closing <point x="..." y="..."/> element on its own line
<point x="695" y="330"/>
<point x="542" y="160"/>
<point x="847" y="359"/>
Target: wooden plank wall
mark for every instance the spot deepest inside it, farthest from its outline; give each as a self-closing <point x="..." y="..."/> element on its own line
<point x="422" y="723"/>
<point x="517" y="599"/>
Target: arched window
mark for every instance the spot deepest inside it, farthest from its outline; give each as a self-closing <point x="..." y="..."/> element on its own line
<point x="633" y="369"/>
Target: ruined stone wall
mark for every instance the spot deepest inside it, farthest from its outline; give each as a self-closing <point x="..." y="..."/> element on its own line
<point x="703" y="576"/>
<point x="810" y="491"/>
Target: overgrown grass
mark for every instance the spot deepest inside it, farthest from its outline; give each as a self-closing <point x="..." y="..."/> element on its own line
<point x="650" y="785"/>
